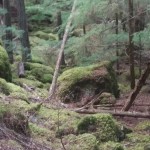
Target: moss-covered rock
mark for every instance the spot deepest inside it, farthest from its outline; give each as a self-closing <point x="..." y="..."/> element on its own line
<point x="103" y="126"/>
<point x="40" y="72"/>
<point x="5" y="71"/>
<point x="83" y="142"/>
<point x="83" y="82"/>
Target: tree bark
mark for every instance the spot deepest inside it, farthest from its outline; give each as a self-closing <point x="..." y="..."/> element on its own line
<point x="131" y="44"/>
<point x="26" y="52"/>
<point x="21" y="72"/>
<point x="59" y="23"/>
<point x="137" y="89"/>
<point x="8" y="34"/>
<point x="57" y="68"/>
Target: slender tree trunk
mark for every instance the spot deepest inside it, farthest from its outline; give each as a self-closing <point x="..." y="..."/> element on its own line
<point x="59" y="23"/>
<point x="117" y="52"/>
<point x="26" y="52"/>
<point x="137" y="89"/>
<point x="53" y="85"/>
<point x="131" y="44"/>
<point x="8" y="35"/>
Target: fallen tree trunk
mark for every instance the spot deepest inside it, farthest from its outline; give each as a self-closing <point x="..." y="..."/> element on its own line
<point x="115" y="113"/>
<point x="137" y="89"/>
<point x="55" y="76"/>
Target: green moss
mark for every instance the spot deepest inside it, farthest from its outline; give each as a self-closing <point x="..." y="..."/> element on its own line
<point x="5" y="70"/>
<point x="30" y="83"/>
<point x="38" y="130"/>
<point x="3" y="109"/>
<point x="83" y="142"/>
<point x="111" y="146"/>
<point x="40" y="72"/>
<point x="3" y="87"/>
<point x="138" y="141"/>
<point x="45" y="36"/>
<point x="8" y="88"/>
<point x="13" y="90"/>
<point x="144" y="125"/>
<point x="67" y="120"/>
<point x="102" y="125"/>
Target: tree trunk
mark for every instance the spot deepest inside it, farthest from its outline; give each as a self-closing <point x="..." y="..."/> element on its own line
<point x="8" y="34"/>
<point x="117" y="52"/>
<point x="131" y="44"/>
<point x="59" y="23"/>
<point x="26" y="52"/>
<point x="137" y="89"/>
<point x="57" y="68"/>
<point x="21" y="73"/>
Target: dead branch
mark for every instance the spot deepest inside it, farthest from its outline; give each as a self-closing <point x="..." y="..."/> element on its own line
<point x="137" y="89"/>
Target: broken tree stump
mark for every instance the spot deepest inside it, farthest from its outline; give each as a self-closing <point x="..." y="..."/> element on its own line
<point x="21" y="72"/>
<point x="137" y="89"/>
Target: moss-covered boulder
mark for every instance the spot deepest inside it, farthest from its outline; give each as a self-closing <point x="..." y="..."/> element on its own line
<point x="40" y="72"/>
<point x="82" y="83"/>
<point x="5" y="71"/>
<point x="103" y="126"/>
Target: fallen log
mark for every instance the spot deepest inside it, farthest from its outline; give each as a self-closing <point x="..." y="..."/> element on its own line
<point x="115" y="113"/>
<point x="137" y="89"/>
